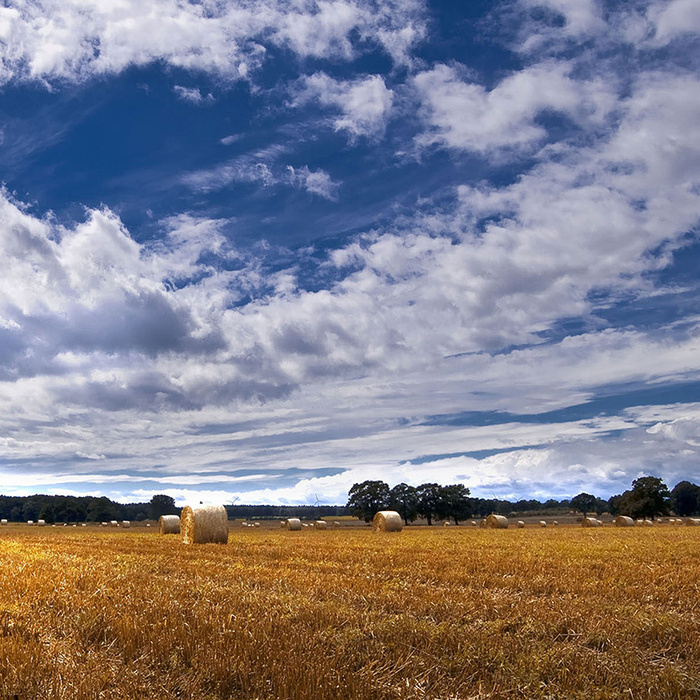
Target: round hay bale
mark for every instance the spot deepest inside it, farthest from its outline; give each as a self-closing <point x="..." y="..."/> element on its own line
<point x="126" y="523"/>
<point x="83" y="524"/>
<point x="320" y="525"/>
<point x="30" y="522"/>
<point x="624" y="521"/>
<point x="283" y="524"/>
<point x="204" y="525"/>
<point x="482" y="522"/>
<point x="41" y="523"/>
<point x="520" y="524"/>
<point x="496" y="522"/>
<point x="3" y="521"/>
<point x="542" y="523"/>
<point x="293" y="524"/>
<point x="387" y="521"/>
<point x="256" y="524"/>
<point x="336" y="523"/>
<point x="555" y="523"/>
<point x="591" y="522"/>
<point x="169" y="524"/>
<point x="647" y="523"/>
<point x="446" y="524"/>
<point x="472" y="523"/>
<point x="113" y="523"/>
<point x="104" y="524"/>
<point x="305" y="524"/>
<point x="693" y="522"/>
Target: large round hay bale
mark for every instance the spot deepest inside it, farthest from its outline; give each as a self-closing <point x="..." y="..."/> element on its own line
<point x="591" y="522"/>
<point x="542" y="523"/>
<point x="3" y="521"/>
<point x="520" y="524"/>
<point x="320" y="525"/>
<point x="693" y="522"/>
<point x="204" y="525"/>
<point x="496" y="522"/>
<point x="624" y="521"/>
<point x="293" y="524"/>
<point x="387" y="521"/>
<point x="169" y="524"/>
<point x="126" y="523"/>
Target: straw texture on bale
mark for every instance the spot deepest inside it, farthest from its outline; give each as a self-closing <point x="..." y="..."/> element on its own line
<point x="591" y="522"/>
<point x="497" y="522"/>
<point x="520" y="523"/>
<point x="387" y="521"/>
<point x="543" y="523"/>
<point x="320" y="525"/>
<point x="169" y="524"/>
<point x="293" y="524"/>
<point x="204" y="525"/>
<point x="624" y="521"/>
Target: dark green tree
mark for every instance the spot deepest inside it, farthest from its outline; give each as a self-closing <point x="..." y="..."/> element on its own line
<point x="648" y="497"/>
<point x="429" y="501"/>
<point x="47" y="514"/>
<point x="162" y="505"/>
<point x="583" y="503"/>
<point x="404" y="500"/>
<point x="367" y="498"/>
<point x="454" y="503"/>
<point x="685" y="498"/>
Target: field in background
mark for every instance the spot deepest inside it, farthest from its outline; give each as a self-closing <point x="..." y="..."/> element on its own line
<point x="427" y="613"/>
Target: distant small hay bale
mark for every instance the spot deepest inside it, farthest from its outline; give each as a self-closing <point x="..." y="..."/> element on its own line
<point x="591" y="522"/>
<point x="148" y="524"/>
<point x="113" y="523"/>
<point x="283" y="524"/>
<point x="555" y="523"/>
<point x="30" y="522"/>
<point x="482" y="522"/>
<point x="693" y="522"/>
<point x="169" y="525"/>
<point x="520" y="524"/>
<point x="3" y="521"/>
<point x="256" y="524"/>
<point x="104" y="524"/>
<point x="83" y="524"/>
<point x="336" y="523"/>
<point x="41" y="523"/>
<point x="126" y="523"/>
<point x="244" y="524"/>
<point x="647" y="523"/>
<point x="446" y="524"/>
<point x="305" y="524"/>
<point x="293" y="524"/>
<point x="387" y="521"/>
<point x="496" y="522"/>
<point x="320" y="525"/>
<point x="624" y="521"/>
<point x="472" y="523"/>
<point x="542" y="523"/>
<point x="204" y="524"/>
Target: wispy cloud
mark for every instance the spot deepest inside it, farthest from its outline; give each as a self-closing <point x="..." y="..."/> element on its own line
<point x="193" y="95"/>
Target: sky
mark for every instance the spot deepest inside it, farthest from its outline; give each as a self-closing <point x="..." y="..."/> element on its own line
<point x="256" y="251"/>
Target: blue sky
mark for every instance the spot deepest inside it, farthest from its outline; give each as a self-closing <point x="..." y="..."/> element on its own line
<point x="259" y="251"/>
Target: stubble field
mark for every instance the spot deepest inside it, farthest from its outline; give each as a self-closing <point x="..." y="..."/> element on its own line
<point x="426" y="613"/>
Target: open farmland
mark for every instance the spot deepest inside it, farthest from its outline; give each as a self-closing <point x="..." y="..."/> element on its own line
<point x="427" y="613"/>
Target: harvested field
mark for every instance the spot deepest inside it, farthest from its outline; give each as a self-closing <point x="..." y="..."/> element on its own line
<point x="442" y="613"/>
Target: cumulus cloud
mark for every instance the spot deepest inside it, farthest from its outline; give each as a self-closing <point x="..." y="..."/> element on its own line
<point x="364" y="103"/>
<point x="193" y="95"/>
<point x="462" y="114"/>
<point x="75" y="40"/>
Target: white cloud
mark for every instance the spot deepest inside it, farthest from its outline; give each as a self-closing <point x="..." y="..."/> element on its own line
<point x="77" y="39"/>
<point x="364" y="103"/>
<point x="193" y="95"/>
<point x="462" y="114"/>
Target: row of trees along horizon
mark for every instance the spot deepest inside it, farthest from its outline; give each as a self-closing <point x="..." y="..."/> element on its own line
<point x="649" y="497"/>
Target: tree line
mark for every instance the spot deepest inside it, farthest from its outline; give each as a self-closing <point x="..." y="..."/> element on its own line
<point x="648" y="497"/>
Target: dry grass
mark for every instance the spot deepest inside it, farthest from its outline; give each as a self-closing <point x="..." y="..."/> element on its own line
<point x="445" y="613"/>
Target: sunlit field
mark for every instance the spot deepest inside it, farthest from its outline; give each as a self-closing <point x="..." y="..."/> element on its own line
<point x="426" y="613"/>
